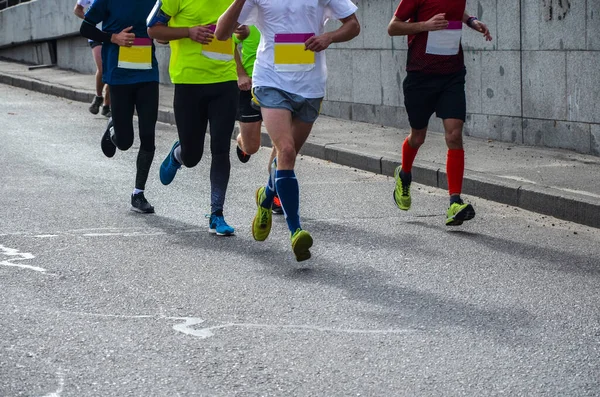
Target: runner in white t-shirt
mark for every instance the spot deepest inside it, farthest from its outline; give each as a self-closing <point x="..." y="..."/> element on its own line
<point x="96" y="46"/>
<point x="288" y="83"/>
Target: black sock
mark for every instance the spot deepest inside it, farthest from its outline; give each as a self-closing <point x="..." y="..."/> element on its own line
<point x="144" y="162"/>
<point x="455" y="199"/>
<point x="218" y="213"/>
<point x="406" y="177"/>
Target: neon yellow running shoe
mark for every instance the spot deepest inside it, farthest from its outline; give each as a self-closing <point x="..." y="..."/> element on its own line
<point x="402" y="191"/>
<point x="261" y="225"/>
<point x="458" y="213"/>
<point x="301" y="242"/>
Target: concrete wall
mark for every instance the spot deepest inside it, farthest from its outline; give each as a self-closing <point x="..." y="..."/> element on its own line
<point x="537" y="82"/>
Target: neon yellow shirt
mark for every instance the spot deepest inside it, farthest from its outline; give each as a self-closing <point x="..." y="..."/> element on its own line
<point x="192" y="62"/>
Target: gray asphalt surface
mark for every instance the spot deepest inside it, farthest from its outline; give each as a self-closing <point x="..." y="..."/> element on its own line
<point x="99" y="301"/>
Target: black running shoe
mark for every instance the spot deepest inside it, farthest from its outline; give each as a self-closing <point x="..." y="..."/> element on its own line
<point x="276" y="207"/>
<point x="95" y="106"/>
<point x="243" y="156"/>
<point x="105" y="111"/>
<point x="140" y="204"/>
<point x="108" y="147"/>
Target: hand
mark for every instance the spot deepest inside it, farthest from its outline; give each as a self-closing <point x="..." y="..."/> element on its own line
<point x="201" y="34"/>
<point x="242" y="32"/>
<point x="123" y="39"/>
<point x="318" y="43"/>
<point x="244" y="83"/>
<point x="482" y="28"/>
<point x="165" y="42"/>
<point x="438" y="22"/>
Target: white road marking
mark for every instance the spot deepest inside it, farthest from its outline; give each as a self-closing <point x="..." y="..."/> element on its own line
<point x="189" y="322"/>
<point x="134" y="234"/>
<point x="18" y="256"/>
<point x="61" y="385"/>
<point x="108" y="232"/>
<point x="204" y="333"/>
<point x="311" y="328"/>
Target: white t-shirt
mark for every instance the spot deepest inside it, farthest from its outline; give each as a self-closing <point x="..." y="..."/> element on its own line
<point x="292" y="21"/>
<point x="88" y="4"/>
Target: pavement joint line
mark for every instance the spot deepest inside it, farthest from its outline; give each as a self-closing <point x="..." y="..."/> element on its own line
<point x="568" y="206"/>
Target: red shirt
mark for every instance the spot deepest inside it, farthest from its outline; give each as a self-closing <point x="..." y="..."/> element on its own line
<point x="421" y="11"/>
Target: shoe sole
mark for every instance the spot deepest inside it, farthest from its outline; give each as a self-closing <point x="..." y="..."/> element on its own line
<point x="108" y="147"/>
<point x="139" y="211"/>
<point x="165" y="164"/>
<point x="256" y="216"/>
<point x="301" y="247"/>
<point x="466" y="214"/>
<point x="214" y="231"/>
<point x="244" y="158"/>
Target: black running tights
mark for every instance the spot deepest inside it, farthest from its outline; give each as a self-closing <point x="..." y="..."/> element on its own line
<point x="143" y="98"/>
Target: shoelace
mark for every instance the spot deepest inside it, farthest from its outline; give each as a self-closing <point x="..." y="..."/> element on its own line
<point x="141" y="197"/>
<point x="405" y="189"/>
<point x="264" y="218"/>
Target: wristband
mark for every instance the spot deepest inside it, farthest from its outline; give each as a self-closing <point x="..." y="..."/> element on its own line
<point x="470" y="21"/>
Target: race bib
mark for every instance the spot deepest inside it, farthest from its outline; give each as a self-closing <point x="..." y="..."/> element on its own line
<point x="445" y="42"/>
<point x="290" y="53"/>
<point x="217" y="49"/>
<point x="138" y="56"/>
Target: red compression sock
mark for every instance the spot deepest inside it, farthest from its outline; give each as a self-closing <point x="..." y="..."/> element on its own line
<point x="455" y="170"/>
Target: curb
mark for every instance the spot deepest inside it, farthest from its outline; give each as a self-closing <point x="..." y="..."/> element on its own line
<point x="568" y="206"/>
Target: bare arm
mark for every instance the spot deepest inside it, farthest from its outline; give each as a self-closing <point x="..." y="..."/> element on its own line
<point x="166" y="33"/>
<point x="398" y="27"/>
<point x="244" y="81"/>
<point x="350" y="29"/>
<point x="228" y="22"/>
<point x="478" y="26"/>
<point x="79" y="11"/>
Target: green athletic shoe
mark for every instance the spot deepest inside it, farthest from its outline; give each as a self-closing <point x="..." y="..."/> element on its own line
<point x="458" y="213"/>
<point x="301" y="242"/>
<point x="261" y="226"/>
<point x="402" y="191"/>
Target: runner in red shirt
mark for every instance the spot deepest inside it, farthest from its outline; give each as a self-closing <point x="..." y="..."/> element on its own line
<point x="435" y="82"/>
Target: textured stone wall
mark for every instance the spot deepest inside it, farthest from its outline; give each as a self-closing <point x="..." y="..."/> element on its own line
<point x="537" y="82"/>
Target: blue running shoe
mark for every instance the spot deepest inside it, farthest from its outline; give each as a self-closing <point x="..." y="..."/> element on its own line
<point x="169" y="167"/>
<point x="218" y="226"/>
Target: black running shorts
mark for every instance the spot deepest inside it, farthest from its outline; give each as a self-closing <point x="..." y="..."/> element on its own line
<point x="94" y="44"/>
<point x="425" y="94"/>
<point x="246" y="112"/>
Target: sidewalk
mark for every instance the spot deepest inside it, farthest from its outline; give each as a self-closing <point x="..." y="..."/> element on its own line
<point x="559" y="183"/>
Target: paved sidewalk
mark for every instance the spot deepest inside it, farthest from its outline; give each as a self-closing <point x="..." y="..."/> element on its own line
<point x="559" y="183"/>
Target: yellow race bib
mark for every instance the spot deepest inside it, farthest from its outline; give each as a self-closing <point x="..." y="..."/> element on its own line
<point x="138" y="56"/>
<point x="217" y="49"/>
<point x="291" y="54"/>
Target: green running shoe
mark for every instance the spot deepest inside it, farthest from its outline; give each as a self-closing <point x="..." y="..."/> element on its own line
<point x="402" y="191"/>
<point x="301" y="242"/>
<point x="261" y="225"/>
<point x="458" y="213"/>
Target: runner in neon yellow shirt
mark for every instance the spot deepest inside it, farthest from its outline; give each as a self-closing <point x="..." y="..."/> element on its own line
<point x="203" y="71"/>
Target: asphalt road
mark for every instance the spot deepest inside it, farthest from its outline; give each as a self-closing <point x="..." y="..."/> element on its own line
<point x="97" y="300"/>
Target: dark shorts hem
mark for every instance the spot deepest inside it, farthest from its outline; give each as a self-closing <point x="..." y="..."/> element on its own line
<point x="247" y="112"/>
<point x="426" y="94"/>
